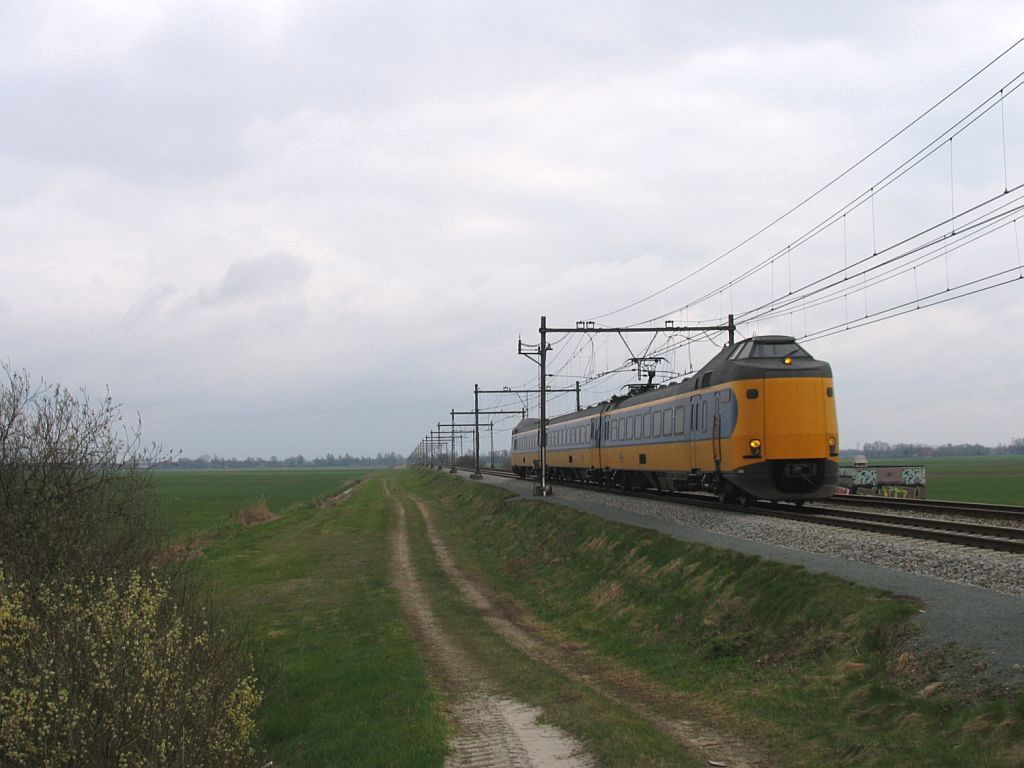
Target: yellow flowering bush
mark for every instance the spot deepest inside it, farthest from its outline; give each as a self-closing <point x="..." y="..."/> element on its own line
<point x="108" y="671"/>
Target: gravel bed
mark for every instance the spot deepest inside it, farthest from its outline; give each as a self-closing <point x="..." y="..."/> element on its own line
<point x="998" y="571"/>
<point x="926" y="514"/>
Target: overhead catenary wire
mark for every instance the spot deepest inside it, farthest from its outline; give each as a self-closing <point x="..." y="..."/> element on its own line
<point x="814" y="194"/>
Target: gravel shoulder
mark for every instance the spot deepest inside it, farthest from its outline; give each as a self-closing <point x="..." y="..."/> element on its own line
<point x="972" y="600"/>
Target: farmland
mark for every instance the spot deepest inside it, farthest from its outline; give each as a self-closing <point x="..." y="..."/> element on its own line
<point x="801" y="666"/>
<point x="989" y="479"/>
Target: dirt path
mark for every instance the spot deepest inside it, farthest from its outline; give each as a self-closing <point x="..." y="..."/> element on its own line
<point x="491" y="730"/>
<point x="651" y="701"/>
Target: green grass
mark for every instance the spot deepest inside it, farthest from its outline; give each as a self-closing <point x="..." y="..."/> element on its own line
<point x="989" y="479"/>
<point x="199" y="501"/>
<point x="802" y="664"/>
<point x="611" y="733"/>
<point x="347" y="685"/>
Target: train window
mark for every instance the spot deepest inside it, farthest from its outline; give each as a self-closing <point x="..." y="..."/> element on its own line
<point x="704" y="416"/>
<point x="705" y="380"/>
<point x="668" y="421"/>
<point x="741" y="351"/>
<point x="607" y="428"/>
<point x="647" y="425"/>
<point x="657" y="423"/>
<point x="680" y="419"/>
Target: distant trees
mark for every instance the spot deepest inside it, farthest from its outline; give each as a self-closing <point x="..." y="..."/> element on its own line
<point x="206" y="461"/>
<point x="108" y="654"/>
<point x="883" y="450"/>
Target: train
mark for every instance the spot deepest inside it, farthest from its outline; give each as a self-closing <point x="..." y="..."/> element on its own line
<point x="757" y="422"/>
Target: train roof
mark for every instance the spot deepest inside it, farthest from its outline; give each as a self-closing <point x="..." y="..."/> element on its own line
<point x="753" y="357"/>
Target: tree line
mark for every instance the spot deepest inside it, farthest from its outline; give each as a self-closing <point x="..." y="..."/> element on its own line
<point x="883" y="450"/>
<point x="206" y="461"/>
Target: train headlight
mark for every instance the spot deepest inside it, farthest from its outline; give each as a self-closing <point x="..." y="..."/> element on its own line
<point x="787" y="360"/>
<point x="832" y="450"/>
<point x="755" y="447"/>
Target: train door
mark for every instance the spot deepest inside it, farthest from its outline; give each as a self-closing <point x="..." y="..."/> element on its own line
<point x="716" y="433"/>
<point x="692" y="431"/>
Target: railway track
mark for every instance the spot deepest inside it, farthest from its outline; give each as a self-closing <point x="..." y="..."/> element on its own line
<point x="968" y="534"/>
<point x="966" y="508"/>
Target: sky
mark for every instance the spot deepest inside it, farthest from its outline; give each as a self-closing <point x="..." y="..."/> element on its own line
<point x="280" y="228"/>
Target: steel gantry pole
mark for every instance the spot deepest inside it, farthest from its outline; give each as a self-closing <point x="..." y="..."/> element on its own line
<point x="476" y="431"/>
<point x="453" y="442"/>
<point x="544" y="490"/>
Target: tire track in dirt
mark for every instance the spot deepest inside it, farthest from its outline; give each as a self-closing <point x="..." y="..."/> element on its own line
<point x="492" y="731"/>
<point x="648" y="700"/>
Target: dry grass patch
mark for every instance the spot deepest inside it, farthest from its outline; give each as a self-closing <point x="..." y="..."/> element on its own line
<point x="255" y="514"/>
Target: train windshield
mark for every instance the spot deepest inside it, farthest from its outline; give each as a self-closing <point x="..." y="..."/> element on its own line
<point x="772" y="349"/>
<point x="777" y="349"/>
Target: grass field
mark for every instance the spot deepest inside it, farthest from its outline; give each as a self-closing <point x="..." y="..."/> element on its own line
<point x="201" y="501"/>
<point x="344" y="682"/>
<point x="805" y="666"/>
<point x="990" y="479"/>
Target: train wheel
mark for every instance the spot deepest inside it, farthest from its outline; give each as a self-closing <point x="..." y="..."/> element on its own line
<point x="726" y="494"/>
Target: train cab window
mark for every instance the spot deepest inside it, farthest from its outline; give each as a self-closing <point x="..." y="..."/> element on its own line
<point x="705" y="380"/>
<point x="680" y="419"/>
<point x="778" y="349"/>
<point x="742" y="350"/>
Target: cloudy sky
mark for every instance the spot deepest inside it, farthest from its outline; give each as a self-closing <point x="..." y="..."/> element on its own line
<point x="308" y="227"/>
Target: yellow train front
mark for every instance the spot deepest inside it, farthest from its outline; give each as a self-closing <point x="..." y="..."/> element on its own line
<point x="757" y="422"/>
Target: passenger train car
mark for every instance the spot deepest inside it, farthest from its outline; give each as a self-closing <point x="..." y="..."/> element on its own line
<point x="757" y="422"/>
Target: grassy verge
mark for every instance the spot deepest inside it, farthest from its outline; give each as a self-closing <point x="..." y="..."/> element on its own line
<point x="346" y="685"/>
<point x="802" y="664"/>
<point x="611" y="733"/>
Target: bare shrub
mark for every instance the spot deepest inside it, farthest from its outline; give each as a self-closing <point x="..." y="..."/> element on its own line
<point x="73" y="498"/>
<point x="255" y="514"/>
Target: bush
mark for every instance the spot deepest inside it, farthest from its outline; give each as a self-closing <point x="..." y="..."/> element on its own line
<point x="106" y="657"/>
<point x="74" y="500"/>
<point x="102" y="674"/>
